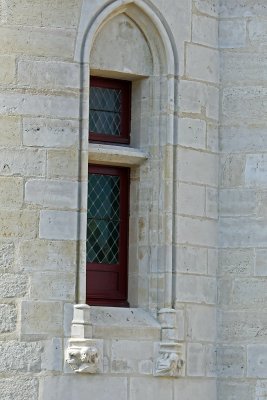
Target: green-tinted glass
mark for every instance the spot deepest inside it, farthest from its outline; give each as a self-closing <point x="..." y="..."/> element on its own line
<point x="105" y="111"/>
<point x="103" y="219"/>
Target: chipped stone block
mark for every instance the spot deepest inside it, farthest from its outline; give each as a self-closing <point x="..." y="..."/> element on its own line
<point x="8" y="318"/>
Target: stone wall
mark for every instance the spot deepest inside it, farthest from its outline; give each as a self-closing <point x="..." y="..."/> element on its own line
<point x="39" y="203"/>
<point x="242" y="262"/>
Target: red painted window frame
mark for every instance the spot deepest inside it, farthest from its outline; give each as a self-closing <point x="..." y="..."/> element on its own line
<point x="116" y="298"/>
<point x="126" y="88"/>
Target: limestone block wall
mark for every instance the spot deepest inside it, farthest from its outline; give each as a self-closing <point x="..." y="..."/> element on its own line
<point x="39" y="182"/>
<point x="243" y="142"/>
<point x="196" y="213"/>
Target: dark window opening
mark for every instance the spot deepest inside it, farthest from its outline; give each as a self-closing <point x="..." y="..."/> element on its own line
<point x="107" y="236"/>
<point x="110" y="110"/>
<point x="108" y="197"/>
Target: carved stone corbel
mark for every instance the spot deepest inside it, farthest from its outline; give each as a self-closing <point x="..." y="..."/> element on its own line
<point x="83" y="354"/>
<point x="169" y="360"/>
<point x="168" y="357"/>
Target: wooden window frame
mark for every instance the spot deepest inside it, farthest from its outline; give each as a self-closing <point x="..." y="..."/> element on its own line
<point x="125" y="87"/>
<point x="94" y="293"/>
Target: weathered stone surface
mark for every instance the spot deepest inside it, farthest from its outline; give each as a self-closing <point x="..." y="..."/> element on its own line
<point x="67" y="387"/>
<point x="40" y="319"/>
<point x="8" y="318"/>
<point x="195" y="231"/>
<point x="200" y="388"/>
<point x="235" y="202"/>
<point x="62" y="225"/>
<point x="209" y="7"/>
<point x="39" y="105"/>
<point x="202" y="63"/>
<point x="243" y="138"/>
<point x="250" y="292"/>
<point x="201" y="323"/>
<point x="7" y="69"/>
<point x="118" y="33"/>
<point x="192" y="133"/>
<point x="244" y="104"/>
<point x="51" y="75"/>
<point x="149" y="388"/>
<point x="232" y="34"/>
<point x="212" y="203"/>
<point x="13" y="285"/>
<point x="129" y="356"/>
<point x="19" y="388"/>
<point x="242" y="232"/>
<point x="52" y="286"/>
<point x="47" y="132"/>
<point x="236" y="262"/>
<point x="186" y="197"/>
<point x="62" y="163"/>
<point x="232" y="168"/>
<point x="38" y="42"/>
<point x="59" y="14"/>
<point x="10" y="131"/>
<point x="6" y="255"/>
<point x="257" y="31"/>
<point x="203" y="289"/>
<point x="52" y="355"/>
<point x="242" y="8"/>
<point x="11" y="192"/>
<point x="244" y="66"/>
<point x="242" y="325"/>
<point x="197" y="167"/>
<point x="205" y="30"/>
<point x="235" y="390"/>
<point x="261" y="264"/>
<point x="257" y="360"/>
<point x="261" y="389"/>
<point x="256" y="168"/>
<point x="24" y="162"/>
<point x="18" y="224"/>
<point x="231" y="361"/>
<point x="195" y="359"/>
<point x="196" y="97"/>
<point x="46" y="255"/>
<point x="51" y="193"/>
<point x="191" y="260"/>
<point x="20" y="356"/>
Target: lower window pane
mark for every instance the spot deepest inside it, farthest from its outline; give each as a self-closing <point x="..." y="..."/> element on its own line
<point x="103" y="241"/>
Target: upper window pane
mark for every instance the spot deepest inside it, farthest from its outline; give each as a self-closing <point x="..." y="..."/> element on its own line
<point x="109" y="114"/>
<point x="105" y="111"/>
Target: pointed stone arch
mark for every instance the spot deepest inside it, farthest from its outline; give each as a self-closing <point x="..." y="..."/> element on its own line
<point x="151" y="266"/>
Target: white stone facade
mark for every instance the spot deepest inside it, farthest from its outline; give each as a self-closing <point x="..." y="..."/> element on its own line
<point x="197" y="323"/>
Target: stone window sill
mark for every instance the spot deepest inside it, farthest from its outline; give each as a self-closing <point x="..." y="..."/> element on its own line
<point x="124" y="156"/>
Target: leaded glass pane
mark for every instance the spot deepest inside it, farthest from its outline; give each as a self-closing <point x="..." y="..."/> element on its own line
<point x="105" y="111"/>
<point x="103" y="219"/>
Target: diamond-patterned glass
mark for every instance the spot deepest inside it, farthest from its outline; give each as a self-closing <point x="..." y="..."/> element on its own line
<point x="105" y="111"/>
<point x="103" y="220"/>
